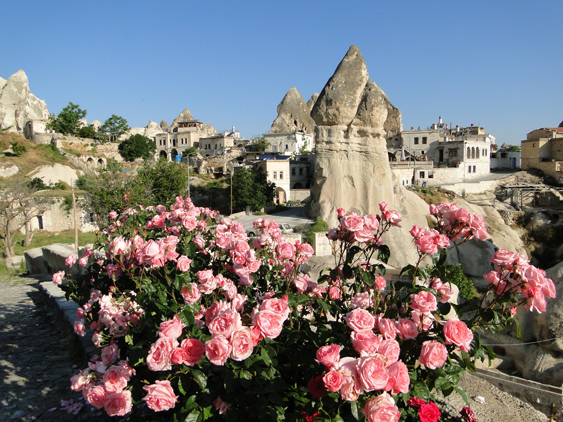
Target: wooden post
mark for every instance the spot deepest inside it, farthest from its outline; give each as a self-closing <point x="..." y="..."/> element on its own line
<point x="232" y="170"/>
<point x="75" y="224"/>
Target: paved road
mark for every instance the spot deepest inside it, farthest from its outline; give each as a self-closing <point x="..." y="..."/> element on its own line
<point x="36" y="357"/>
<point x="294" y="217"/>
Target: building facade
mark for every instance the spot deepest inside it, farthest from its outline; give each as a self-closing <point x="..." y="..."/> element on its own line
<point x="186" y="135"/>
<point x="217" y="144"/>
<point x="543" y="150"/>
<point x="290" y="143"/>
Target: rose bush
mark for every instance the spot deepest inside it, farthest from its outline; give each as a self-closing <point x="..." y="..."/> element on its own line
<point x="195" y="320"/>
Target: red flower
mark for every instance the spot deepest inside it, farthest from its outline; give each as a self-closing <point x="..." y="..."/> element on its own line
<point x="308" y="418"/>
<point x="416" y="402"/>
<point x="429" y="412"/>
<point x="468" y="415"/>
<point x="317" y="387"/>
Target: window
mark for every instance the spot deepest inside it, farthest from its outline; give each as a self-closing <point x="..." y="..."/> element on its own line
<point x="301" y="171"/>
<point x="453" y="152"/>
<point x="424" y="140"/>
<point x="286" y="147"/>
<point x="421" y="175"/>
<point x="473" y="169"/>
<point x="281" y="175"/>
<point x="416" y="140"/>
<point x="469" y="169"/>
<point x="40" y="222"/>
<point x="293" y="171"/>
<point x="275" y="175"/>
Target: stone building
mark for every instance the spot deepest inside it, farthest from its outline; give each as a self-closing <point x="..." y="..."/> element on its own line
<point x="217" y="144"/>
<point x="543" y="150"/>
<point x="277" y="170"/>
<point x="505" y="158"/>
<point x="291" y="142"/>
<point x="185" y="135"/>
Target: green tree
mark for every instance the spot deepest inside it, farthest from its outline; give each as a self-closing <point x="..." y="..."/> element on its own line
<point x="68" y="120"/>
<point x="18" y="149"/>
<point x="115" y="126"/>
<point x="251" y="189"/>
<point x="87" y="132"/>
<point x="112" y="189"/>
<point x="137" y="146"/>
<point x="260" y="143"/>
<point x="190" y="150"/>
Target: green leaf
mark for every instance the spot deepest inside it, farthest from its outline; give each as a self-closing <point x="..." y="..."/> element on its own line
<point x="463" y="394"/>
<point x="181" y="387"/>
<point x="193" y="417"/>
<point x="441" y="383"/>
<point x="188" y="317"/>
<point x="200" y="378"/>
<point x="368" y="278"/>
<point x="354" y="410"/>
<point x="421" y="391"/>
<point x="129" y="339"/>
<point x="265" y="357"/>
<point x="338" y="418"/>
<point x="383" y="253"/>
<point x="352" y="253"/>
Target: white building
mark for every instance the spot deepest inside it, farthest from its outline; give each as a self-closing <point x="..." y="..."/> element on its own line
<point x="186" y="135"/>
<point x="290" y="143"/>
<point x="217" y="144"/>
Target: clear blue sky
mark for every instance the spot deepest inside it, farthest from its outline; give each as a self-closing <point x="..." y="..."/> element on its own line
<point x="497" y="64"/>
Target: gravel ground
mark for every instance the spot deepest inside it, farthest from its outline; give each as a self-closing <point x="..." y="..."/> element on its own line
<point x="37" y="357"/>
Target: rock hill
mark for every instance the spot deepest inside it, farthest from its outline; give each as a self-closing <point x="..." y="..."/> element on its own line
<point x="17" y="104"/>
<point x="352" y="166"/>
<point x="293" y="114"/>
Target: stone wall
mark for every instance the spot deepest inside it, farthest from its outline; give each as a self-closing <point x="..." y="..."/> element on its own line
<point x="299" y="194"/>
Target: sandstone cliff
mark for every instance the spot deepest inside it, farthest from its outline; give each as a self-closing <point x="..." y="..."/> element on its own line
<point x="293" y="114"/>
<point x="17" y="104"/>
<point x="352" y="167"/>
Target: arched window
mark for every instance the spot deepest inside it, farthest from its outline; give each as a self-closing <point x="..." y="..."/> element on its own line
<point x="473" y="152"/>
<point x="478" y="152"/>
<point x="468" y="152"/>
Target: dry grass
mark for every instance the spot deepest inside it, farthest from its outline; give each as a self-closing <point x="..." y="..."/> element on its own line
<point x="35" y="156"/>
<point x="432" y="195"/>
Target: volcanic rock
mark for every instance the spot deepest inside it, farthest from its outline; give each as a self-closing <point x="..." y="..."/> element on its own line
<point x="184" y="115"/>
<point x="312" y="101"/>
<point x="352" y="166"/>
<point x="293" y="114"/>
<point x="17" y="104"/>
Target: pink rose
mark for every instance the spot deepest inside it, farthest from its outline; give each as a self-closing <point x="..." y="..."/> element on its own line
<point x="110" y="354"/>
<point x="456" y="332"/>
<point x="333" y="380"/>
<point x="70" y="260"/>
<point x="220" y="405"/>
<point x="329" y="355"/>
<point x="382" y="413"/>
<point x="387" y="328"/>
<point x="399" y="380"/>
<point x="504" y="258"/>
<point x="340" y="212"/>
<point x="158" y="358"/>
<point x="199" y="241"/>
<point x="433" y="354"/>
<point x="58" y="277"/>
<point x="371" y="222"/>
<point x="363" y="235"/>
<point x="118" y="403"/>
<point x="359" y="320"/>
<point x="278" y="306"/>
<point x="178" y="356"/>
<point x="83" y="261"/>
<point x="444" y="292"/>
<point x="96" y="396"/>
<point x="361" y="300"/>
<point x="190" y="293"/>
<point x="382" y="206"/>
<point x="373" y="373"/>
<point x="416" y="232"/>
<point x="217" y="350"/>
<point x="225" y="323"/>
<point x="80" y="328"/>
<point x="424" y="302"/>
<point x="270" y="323"/>
<point x="172" y="328"/>
<point x="207" y="282"/>
<point x="353" y="222"/>
<point x="406" y="329"/>
<point x="160" y="396"/>
<point x="422" y="321"/>
<point x="242" y="344"/>
<point x="381" y="283"/>
<point x="426" y="245"/>
<point x="390" y="349"/>
<point x="189" y="223"/>
<point x="286" y="251"/>
<point x="114" y="380"/>
<point x="183" y="263"/>
<point x="301" y="282"/>
<point x="194" y="350"/>
<point x="365" y="341"/>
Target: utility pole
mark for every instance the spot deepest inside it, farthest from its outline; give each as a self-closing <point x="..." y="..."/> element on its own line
<point x="75" y="223"/>
<point x="232" y="171"/>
